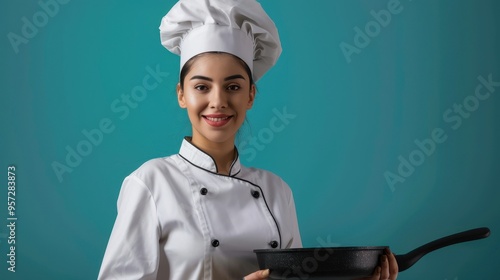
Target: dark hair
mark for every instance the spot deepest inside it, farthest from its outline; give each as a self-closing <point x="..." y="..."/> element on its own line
<point x="187" y="66"/>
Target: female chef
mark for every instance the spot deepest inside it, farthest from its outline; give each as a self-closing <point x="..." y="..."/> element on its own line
<point x="199" y="214"/>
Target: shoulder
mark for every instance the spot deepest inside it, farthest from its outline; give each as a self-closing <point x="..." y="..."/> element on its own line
<point x="153" y="165"/>
<point x="265" y="179"/>
<point x="163" y="165"/>
<point x="260" y="173"/>
<point x="156" y="170"/>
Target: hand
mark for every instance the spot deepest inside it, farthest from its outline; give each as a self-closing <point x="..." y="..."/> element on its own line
<point x="258" y="275"/>
<point x="388" y="269"/>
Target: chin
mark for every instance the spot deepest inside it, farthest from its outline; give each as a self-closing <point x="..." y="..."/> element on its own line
<point x="220" y="137"/>
<point x="217" y="136"/>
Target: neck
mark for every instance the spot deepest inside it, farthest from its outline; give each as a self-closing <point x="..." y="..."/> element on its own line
<point x="222" y="153"/>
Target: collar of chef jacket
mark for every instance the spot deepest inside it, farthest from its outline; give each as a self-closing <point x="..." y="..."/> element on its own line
<point x="203" y="160"/>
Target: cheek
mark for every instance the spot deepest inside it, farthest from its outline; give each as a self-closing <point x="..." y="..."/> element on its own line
<point x="195" y="102"/>
<point x="238" y="99"/>
<point x="241" y="108"/>
<point x="243" y="105"/>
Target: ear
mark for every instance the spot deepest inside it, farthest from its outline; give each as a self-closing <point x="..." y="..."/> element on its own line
<point x="180" y="96"/>
<point x="251" y="97"/>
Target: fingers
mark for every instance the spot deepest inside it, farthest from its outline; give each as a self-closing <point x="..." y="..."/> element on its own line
<point x="388" y="268"/>
<point x="393" y="265"/>
<point x="258" y="275"/>
<point x="384" y="268"/>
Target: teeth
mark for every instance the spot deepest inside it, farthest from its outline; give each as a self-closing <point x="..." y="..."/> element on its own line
<point x="217" y="119"/>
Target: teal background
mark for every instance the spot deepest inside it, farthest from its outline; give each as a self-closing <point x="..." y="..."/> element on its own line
<point x="351" y="123"/>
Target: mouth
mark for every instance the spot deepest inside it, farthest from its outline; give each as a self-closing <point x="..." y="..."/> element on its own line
<point x="217" y="120"/>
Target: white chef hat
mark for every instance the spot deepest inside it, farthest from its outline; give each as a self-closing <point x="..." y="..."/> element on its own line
<point x="238" y="27"/>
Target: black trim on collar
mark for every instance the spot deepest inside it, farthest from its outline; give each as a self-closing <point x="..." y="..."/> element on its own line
<point x="188" y="139"/>
<point x="234" y="161"/>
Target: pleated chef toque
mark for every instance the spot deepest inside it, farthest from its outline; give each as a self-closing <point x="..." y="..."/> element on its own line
<point x="238" y="27"/>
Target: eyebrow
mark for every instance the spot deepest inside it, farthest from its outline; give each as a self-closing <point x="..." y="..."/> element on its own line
<point x="238" y="76"/>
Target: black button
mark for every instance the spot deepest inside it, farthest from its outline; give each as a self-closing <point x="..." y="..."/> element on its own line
<point x="255" y="194"/>
<point x="215" y="243"/>
<point x="204" y="191"/>
<point x="274" y="244"/>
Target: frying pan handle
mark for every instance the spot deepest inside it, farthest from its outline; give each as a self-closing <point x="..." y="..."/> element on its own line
<point x="407" y="260"/>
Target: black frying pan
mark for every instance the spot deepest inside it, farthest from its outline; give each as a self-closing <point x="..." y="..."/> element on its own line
<point x="347" y="262"/>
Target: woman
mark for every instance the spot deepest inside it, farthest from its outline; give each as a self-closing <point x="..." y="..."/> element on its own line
<point x="200" y="214"/>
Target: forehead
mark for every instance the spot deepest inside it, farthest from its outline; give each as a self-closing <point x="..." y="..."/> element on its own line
<point x="213" y="64"/>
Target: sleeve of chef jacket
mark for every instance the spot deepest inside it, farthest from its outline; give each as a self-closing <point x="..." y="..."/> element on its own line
<point x="133" y="248"/>
<point x="296" y="241"/>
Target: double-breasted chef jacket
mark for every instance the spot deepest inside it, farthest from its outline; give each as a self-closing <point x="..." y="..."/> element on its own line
<point x="178" y="219"/>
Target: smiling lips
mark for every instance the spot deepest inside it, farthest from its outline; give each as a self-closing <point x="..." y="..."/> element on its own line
<point x="217" y="120"/>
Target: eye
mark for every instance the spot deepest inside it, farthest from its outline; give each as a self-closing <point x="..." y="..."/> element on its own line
<point x="201" y="87"/>
<point x="233" y="87"/>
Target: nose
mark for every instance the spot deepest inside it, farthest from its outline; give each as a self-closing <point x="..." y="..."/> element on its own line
<point x="218" y="98"/>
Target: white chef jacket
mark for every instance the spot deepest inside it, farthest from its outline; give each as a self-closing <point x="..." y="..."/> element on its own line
<point x="180" y="220"/>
